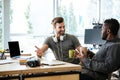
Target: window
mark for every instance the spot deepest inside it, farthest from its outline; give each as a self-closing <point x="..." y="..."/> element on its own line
<point x="32" y="16"/>
<point x="1" y="27"/>
<point x="81" y="14"/>
<point x="110" y="8"/>
<point x="30" y="20"/>
<point x="78" y="15"/>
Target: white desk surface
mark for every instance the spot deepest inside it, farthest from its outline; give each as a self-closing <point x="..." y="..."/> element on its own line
<point x="10" y="67"/>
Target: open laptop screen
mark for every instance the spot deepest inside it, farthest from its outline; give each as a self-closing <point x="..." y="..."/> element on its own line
<point x="14" y="48"/>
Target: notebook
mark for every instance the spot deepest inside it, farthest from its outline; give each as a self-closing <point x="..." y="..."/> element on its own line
<point x="53" y="63"/>
<point x="14" y="49"/>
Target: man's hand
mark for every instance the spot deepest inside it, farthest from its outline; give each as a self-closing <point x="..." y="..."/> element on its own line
<point x="38" y="51"/>
<point x="81" y="53"/>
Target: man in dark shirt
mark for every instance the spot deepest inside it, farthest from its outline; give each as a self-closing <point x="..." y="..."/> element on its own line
<point x="106" y="60"/>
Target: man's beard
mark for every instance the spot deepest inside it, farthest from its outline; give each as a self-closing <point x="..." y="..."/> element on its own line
<point x="104" y="36"/>
<point x="62" y="32"/>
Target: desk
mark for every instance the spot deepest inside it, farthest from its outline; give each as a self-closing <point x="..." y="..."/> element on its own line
<point x="15" y="68"/>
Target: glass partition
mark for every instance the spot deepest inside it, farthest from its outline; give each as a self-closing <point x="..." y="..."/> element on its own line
<point x="1" y="27"/>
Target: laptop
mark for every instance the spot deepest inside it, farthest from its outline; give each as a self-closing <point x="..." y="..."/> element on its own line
<point x="14" y="49"/>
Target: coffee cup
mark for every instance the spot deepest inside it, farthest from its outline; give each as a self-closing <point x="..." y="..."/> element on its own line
<point x="71" y="53"/>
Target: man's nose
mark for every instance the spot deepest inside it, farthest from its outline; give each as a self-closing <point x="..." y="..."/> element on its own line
<point x="62" y="28"/>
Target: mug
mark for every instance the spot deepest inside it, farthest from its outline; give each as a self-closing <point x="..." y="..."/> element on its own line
<point x="71" y="53"/>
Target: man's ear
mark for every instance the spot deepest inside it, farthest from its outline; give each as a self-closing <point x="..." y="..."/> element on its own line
<point x="108" y="31"/>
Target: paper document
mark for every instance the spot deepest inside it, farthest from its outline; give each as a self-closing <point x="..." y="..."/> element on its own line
<point x="6" y="62"/>
<point x="53" y="63"/>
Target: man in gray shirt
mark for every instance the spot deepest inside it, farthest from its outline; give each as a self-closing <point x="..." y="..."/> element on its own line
<point x="60" y="43"/>
<point x="107" y="59"/>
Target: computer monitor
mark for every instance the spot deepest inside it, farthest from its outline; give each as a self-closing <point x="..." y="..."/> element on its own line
<point x="93" y="36"/>
<point x="14" y="48"/>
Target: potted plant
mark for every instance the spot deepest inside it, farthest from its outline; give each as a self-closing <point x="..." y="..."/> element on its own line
<point x="2" y="56"/>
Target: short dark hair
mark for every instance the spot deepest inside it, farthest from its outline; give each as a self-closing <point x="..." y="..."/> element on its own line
<point x="57" y="20"/>
<point x="113" y="25"/>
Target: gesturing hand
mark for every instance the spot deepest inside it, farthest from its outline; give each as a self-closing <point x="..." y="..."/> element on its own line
<point x="81" y="53"/>
<point x="38" y="51"/>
